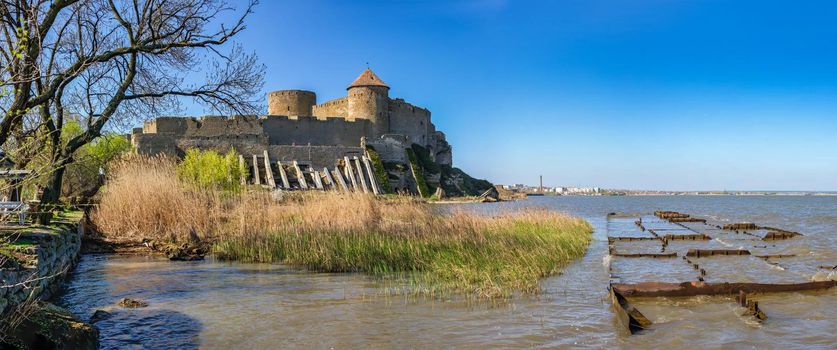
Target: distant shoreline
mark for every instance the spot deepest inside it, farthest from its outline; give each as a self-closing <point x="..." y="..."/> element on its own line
<point x="651" y="194"/>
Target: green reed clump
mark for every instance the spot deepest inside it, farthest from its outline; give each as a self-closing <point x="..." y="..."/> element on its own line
<point x="480" y="256"/>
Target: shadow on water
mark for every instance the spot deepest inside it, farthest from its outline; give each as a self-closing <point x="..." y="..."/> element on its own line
<point x="148" y="328"/>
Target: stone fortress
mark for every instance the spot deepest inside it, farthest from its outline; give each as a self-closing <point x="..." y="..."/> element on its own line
<point x="297" y="128"/>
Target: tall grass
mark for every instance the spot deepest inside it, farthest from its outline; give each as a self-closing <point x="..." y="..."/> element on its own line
<point x="143" y="199"/>
<point x="460" y="251"/>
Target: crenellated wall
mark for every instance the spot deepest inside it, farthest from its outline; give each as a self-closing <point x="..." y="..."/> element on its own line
<point x="334" y="108"/>
<point x="330" y="131"/>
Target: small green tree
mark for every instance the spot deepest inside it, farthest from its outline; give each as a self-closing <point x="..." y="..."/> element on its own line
<point x="210" y="169"/>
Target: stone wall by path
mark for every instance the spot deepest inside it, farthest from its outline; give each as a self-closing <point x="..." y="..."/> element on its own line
<point x="42" y="258"/>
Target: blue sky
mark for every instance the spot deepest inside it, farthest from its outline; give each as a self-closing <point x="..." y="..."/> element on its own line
<point x="681" y="95"/>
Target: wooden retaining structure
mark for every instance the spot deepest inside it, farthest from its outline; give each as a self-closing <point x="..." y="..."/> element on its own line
<point x="356" y="174"/>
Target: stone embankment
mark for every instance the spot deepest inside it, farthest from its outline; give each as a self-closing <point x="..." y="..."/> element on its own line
<point x="33" y="262"/>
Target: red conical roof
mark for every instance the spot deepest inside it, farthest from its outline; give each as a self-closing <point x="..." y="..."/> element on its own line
<point x="367" y="78"/>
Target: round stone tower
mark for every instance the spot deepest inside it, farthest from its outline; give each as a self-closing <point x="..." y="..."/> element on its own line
<point x="369" y="99"/>
<point x="291" y="102"/>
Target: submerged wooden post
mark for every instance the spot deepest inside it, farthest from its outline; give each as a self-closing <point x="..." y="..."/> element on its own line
<point x="257" y="181"/>
<point x="268" y="173"/>
<point x="300" y="176"/>
<point x="242" y="178"/>
<point x="340" y="180"/>
<point x="285" y="183"/>
<point x="351" y="174"/>
<point x="360" y="175"/>
<point x="329" y="179"/>
<point x="372" y="181"/>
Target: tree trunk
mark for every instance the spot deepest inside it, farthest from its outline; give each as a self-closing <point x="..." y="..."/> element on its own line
<point x="52" y="192"/>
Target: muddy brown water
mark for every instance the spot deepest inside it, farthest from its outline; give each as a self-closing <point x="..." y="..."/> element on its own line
<point x="218" y="305"/>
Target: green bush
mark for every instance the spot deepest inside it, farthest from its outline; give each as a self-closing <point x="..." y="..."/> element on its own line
<point x="425" y="160"/>
<point x="210" y="169"/>
<point x="418" y="173"/>
<point x="380" y="172"/>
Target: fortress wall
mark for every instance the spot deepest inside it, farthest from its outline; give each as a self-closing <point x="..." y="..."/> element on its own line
<point x="334" y="108"/>
<point x="217" y="126"/>
<point x="410" y="120"/>
<point x="153" y="144"/>
<point x="243" y="144"/>
<point x="282" y="130"/>
<point x="166" y="125"/>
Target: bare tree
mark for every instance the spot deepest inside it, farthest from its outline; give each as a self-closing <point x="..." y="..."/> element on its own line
<point x="107" y="62"/>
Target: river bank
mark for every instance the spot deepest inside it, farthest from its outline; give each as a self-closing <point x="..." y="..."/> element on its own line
<point x="34" y="261"/>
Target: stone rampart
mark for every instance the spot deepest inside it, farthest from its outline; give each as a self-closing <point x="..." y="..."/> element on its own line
<point x="410" y="120"/>
<point x="334" y="108"/>
<point x="332" y="131"/>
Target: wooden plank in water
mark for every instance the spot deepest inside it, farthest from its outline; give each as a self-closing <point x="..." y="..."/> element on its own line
<point x="351" y="174"/>
<point x="627" y="314"/>
<point x="256" y="176"/>
<point x="751" y="305"/>
<point x="360" y="175"/>
<point x="697" y="253"/>
<point x="340" y="180"/>
<point x="268" y="172"/>
<point x="283" y="175"/>
<point x="630" y="239"/>
<point x="779" y="234"/>
<point x="372" y="181"/>
<point x="687" y="289"/>
<point x="300" y="176"/>
<point x="689" y="237"/>
<point x="775" y="256"/>
<point x="645" y="255"/>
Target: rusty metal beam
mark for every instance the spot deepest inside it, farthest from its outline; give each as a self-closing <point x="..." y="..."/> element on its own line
<point x="686" y="289"/>
<point x="627" y="314"/>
